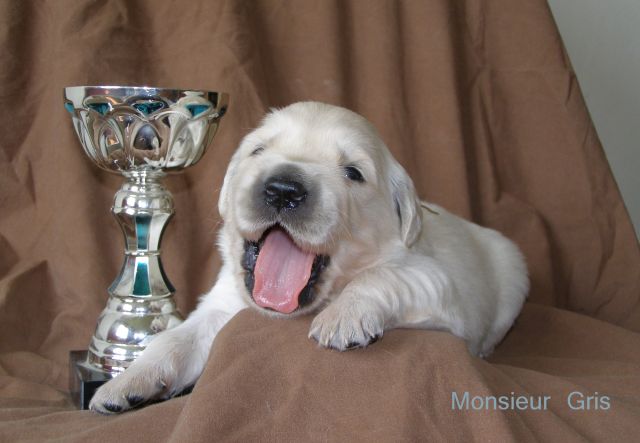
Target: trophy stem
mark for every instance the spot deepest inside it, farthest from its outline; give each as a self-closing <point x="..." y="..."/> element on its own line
<point x="140" y="303"/>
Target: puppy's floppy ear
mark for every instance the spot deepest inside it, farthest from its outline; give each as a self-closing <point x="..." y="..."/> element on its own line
<point x="406" y="203"/>
<point x="223" y="198"/>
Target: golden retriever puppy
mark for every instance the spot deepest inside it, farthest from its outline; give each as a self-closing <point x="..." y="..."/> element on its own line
<point x="320" y="218"/>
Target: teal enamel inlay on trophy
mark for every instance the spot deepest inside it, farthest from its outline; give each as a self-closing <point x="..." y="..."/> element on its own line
<point x="141" y="284"/>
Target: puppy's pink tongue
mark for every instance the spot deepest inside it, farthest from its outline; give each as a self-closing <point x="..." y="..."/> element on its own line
<point x="281" y="273"/>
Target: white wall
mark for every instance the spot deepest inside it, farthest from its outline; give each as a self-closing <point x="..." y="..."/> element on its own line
<point x="603" y="41"/>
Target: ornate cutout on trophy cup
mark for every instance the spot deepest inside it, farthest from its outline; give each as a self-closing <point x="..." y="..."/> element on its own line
<point x="141" y="133"/>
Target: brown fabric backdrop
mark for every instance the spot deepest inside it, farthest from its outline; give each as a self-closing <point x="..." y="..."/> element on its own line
<point x="477" y="99"/>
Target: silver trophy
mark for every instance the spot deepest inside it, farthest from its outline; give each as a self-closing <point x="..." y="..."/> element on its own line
<point x="141" y="133"/>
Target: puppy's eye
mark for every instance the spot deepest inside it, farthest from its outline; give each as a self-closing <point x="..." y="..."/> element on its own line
<point x="352" y="173"/>
<point x="257" y="150"/>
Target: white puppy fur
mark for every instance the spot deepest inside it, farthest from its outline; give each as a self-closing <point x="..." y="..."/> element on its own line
<point x="395" y="262"/>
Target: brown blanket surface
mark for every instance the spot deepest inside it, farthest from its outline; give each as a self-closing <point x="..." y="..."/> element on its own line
<point x="478" y="101"/>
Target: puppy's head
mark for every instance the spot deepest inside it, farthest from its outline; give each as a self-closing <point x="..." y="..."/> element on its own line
<point x="311" y="198"/>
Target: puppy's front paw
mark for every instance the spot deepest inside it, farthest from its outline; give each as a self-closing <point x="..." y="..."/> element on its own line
<point x="345" y="326"/>
<point x="135" y="386"/>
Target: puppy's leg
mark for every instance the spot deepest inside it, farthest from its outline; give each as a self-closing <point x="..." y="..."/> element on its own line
<point x="407" y="294"/>
<point x="175" y="359"/>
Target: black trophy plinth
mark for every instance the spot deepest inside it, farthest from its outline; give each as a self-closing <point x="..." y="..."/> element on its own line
<point x="84" y="379"/>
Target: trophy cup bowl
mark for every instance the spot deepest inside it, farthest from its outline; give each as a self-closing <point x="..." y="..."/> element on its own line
<point x="142" y="133"/>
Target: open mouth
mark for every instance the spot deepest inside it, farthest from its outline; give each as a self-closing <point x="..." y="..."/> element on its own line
<point x="278" y="274"/>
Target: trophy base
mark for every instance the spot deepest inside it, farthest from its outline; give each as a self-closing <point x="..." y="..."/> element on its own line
<point x="84" y="379"/>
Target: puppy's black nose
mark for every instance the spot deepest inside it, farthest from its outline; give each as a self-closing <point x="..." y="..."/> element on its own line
<point x="284" y="193"/>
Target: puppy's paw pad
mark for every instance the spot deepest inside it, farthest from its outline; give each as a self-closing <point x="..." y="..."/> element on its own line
<point x="112" y="407"/>
<point x="107" y="407"/>
<point x="369" y="340"/>
<point x="135" y="400"/>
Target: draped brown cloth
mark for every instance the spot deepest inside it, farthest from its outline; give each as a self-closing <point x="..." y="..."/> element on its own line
<point x="477" y="99"/>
